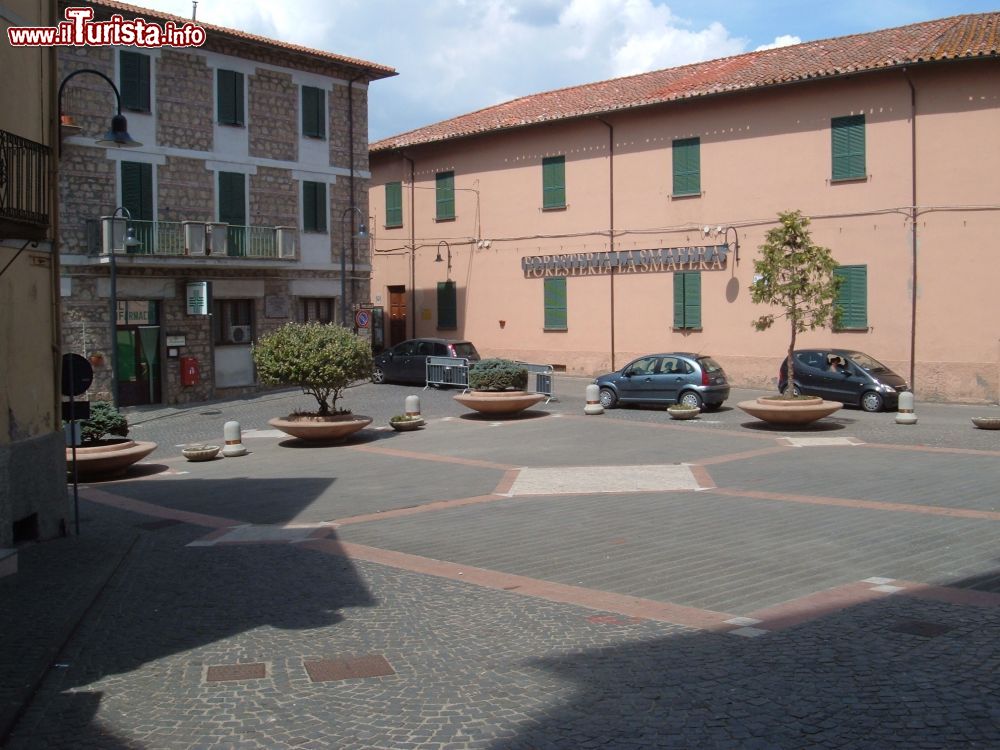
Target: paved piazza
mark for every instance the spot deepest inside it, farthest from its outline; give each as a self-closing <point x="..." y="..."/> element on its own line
<point x="553" y="581"/>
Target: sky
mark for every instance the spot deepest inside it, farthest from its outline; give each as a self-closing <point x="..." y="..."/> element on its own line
<point x="457" y="56"/>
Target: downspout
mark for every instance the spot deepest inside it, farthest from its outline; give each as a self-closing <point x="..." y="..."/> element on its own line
<point x="55" y="134"/>
<point x="353" y="204"/>
<point x="412" y="312"/>
<point x="611" y="223"/>
<point x="913" y="229"/>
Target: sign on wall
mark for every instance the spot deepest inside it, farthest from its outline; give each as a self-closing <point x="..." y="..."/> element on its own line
<point x="658" y="260"/>
<point x="197" y="298"/>
<point x="136" y="313"/>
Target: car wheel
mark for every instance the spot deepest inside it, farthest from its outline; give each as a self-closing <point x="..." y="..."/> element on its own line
<point x="608" y="398"/>
<point x="690" y="398"/>
<point x="378" y="376"/>
<point x="871" y="401"/>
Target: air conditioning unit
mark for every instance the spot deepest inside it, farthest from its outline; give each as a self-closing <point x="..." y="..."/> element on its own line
<point x="286" y="237"/>
<point x="194" y="238"/>
<point x="240" y="334"/>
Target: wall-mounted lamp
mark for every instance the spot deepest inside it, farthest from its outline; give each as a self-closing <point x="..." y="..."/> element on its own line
<point x="736" y="241"/>
<point x="117" y="134"/>
<point x="439" y="259"/>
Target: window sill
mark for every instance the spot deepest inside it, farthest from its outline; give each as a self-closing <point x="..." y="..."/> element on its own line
<point x="555" y="208"/>
<point x="683" y="329"/>
<point x="447" y="328"/>
<point x="848" y="180"/>
<point x="440" y="220"/>
<point x="555" y="330"/>
<point x="312" y="137"/>
<point x="315" y="231"/>
<point x="232" y="124"/>
<point x="392" y="226"/>
<point x="859" y="329"/>
<point x="685" y="196"/>
<point x="137" y="111"/>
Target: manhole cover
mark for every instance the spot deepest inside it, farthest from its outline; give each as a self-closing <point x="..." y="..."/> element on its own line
<point x="921" y="628"/>
<point x="328" y="670"/>
<point x="211" y="413"/>
<point x="230" y="672"/>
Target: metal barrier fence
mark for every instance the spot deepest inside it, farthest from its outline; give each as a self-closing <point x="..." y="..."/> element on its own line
<point x="447" y="371"/>
<point x="543" y="379"/>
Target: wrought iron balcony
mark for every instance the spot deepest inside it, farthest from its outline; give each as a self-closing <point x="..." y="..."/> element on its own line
<point x="194" y="239"/>
<point x="24" y="187"/>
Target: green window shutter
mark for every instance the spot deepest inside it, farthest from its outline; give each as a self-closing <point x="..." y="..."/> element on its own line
<point x="445" y="183"/>
<point x="137" y="190"/>
<point x="853" y="297"/>
<point x="555" y="304"/>
<point x="848" y="146"/>
<point x="313" y="207"/>
<point x="232" y="210"/>
<point x="554" y="182"/>
<point x="313" y="112"/>
<point x="687" y="166"/>
<point x="134" y="73"/>
<point x="447" y="305"/>
<point x="230" y="85"/>
<point x="394" y="204"/>
<point x="687" y="299"/>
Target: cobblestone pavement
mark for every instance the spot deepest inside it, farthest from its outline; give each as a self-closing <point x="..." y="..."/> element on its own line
<point x="554" y="581"/>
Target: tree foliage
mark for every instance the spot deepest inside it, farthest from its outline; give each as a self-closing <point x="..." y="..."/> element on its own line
<point x="104" y="420"/>
<point x="797" y="276"/>
<point x="320" y="359"/>
<point x="498" y="375"/>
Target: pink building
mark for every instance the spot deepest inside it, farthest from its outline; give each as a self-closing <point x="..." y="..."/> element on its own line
<point x="586" y="226"/>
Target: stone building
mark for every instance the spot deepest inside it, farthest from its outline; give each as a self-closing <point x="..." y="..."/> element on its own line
<point x="590" y="225"/>
<point x="229" y="220"/>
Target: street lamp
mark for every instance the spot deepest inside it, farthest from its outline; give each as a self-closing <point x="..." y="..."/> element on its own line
<point x="129" y="241"/>
<point x="117" y="134"/>
<point x="360" y="234"/>
<point x="438" y="259"/>
<point x="736" y="243"/>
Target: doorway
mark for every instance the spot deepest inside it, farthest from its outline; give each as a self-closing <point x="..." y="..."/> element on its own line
<point x="138" y="361"/>
<point x="397" y="314"/>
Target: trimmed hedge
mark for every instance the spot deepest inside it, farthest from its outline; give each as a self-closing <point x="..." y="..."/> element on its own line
<point x="498" y="375"/>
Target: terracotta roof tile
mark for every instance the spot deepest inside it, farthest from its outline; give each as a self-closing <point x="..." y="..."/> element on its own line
<point x="374" y="70"/>
<point x="942" y="39"/>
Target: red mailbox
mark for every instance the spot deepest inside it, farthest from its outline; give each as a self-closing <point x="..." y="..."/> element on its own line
<point x="190" y="373"/>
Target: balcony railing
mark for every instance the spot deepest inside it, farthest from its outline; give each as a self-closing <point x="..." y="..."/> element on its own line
<point x="24" y="187"/>
<point x="197" y="239"/>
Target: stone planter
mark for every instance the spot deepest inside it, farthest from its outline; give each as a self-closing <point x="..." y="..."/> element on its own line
<point x="782" y="411"/>
<point x="987" y="423"/>
<point x="108" y="460"/>
<point x="408" y="425"/>
<point x="499" y="403"/>
<point x="200" y="452"/>
<point x="321" y="429"/>
<point x="676" y="413"/>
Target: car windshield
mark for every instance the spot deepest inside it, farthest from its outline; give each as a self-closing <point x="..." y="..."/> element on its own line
<point x="709" y="365"/>
<point x="466" y="350"/>
<point x="866" y="363"/>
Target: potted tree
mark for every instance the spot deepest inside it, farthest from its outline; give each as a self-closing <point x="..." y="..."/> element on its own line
<point x="498" y="388"/>
<point x="322" y="360"/>
<point x="105" y="450"/>
<point x="797" y="276"/>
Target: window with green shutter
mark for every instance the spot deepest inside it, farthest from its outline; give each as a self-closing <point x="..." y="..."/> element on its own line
<point x="687" y="299"/>
<point x="230" y="95"/>
<point x="554" y="182"/>
<point x="852" y="297"/>
<point x="445" y="184"/>
<point x="134" y="80"/>
<point x="394" y="204"/>
<point x="313" y="112"/>
<point x="313" y="207"/>
<point x="447" y="304"/>
<point x="233" y="210"/>
<point x="687" y="166"/>
<point x="137" y="198"/>
<point x="848" y="144"/>
<point x="555" y="304"/>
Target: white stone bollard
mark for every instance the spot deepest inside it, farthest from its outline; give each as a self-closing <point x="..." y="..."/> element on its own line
<point x="593" y="400"/>
<point x="234" y="441"/>
<point x="905" y="414"/>
<point x="412" y="408"/>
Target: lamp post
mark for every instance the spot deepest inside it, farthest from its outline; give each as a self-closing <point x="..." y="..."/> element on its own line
<point x="117" y="134"/>
<point x="129" y="241"/>
<point x="736" y="243"/>
<point x="360" y="234"/>
<point x="438" y="259"/>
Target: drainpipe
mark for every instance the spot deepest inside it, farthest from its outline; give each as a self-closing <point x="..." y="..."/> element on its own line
<point x="353" y="204"/>
<point x="913" y="229"/>
<point x="611" y="225"/>
<point x="412" y="312"/>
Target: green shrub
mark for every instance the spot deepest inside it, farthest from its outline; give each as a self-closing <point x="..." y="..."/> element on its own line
<point x="320" y="359"/>
<point x="104" y="420"/>
<point x="497" y="375"/>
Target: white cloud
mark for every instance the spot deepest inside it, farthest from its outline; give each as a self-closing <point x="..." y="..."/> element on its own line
<point x="785" y="40"/>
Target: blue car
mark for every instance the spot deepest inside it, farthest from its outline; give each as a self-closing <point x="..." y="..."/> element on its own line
<point x="664" y="379"/>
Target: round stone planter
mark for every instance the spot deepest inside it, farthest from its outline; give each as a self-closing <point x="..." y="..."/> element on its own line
<point x="783" y="411"/>
<point x="676" y="413"/>
<point x="200" y="452"/>
<point x="321" y="429"/>
<point x="107" y="461"/>
<point x="987" y="423"/>
<point x="499" y="403"/>
<point x="407" y="426"/>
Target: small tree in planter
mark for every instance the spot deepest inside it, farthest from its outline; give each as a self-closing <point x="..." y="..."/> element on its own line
<point x="104" y="422"/>
<point x="105" y="450"/>
<point x="796" y="275"/>
<point x="498" y="375"/>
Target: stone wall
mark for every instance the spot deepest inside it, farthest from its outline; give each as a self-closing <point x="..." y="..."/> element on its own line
<point x="340" y="127"/>
<point x="273" y="116"/>
<point x="184" y="108"/>
<point x="185" y="190"/>
<point x="274" y="198"/>
<point x="87" y="181"/>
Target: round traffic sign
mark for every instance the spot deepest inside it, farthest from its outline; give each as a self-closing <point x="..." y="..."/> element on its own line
<point x="77" y="375"/>
<point x="362" y="318"/>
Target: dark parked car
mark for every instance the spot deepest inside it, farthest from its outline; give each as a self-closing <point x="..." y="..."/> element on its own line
<point x="407" y="362"/>
<point x="678" y="377"/>
<point x="843" y="375"/>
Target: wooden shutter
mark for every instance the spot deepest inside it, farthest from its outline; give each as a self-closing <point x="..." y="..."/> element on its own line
<point x="134" y="79"/>
<point x="230" y="85"/>
<point x="555" y="304"/>
<point x="687" y="166"/>
<point x="853" y="297"/>
<point x="447" y="305"/>
<point x="848" y="145"/>
<point x="232" y="210"/>
<point x="137" y="189"/>
<point x="394" y="204"/>
<point x="313" y="207"/>
<point x="687" y="299"/>
<point x="554" y="182"/>
<point x="445" y="182"/>
<point x="313" y="112"/>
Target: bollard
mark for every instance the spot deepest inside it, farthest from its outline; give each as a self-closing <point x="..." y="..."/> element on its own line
<point x="904" y="414"/>
<point x="412" y="408"/>
<point x="234" y="442"/>
<point x="593" y="400"/>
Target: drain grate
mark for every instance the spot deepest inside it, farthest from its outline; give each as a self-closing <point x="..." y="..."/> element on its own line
<point x="921" y="627"/>
<point x="328" y="670"/>
<point x="156" y="525"/>
<point x="231" y="672"/>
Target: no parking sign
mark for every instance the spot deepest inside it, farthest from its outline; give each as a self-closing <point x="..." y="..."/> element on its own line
<point x="362" y="318"/>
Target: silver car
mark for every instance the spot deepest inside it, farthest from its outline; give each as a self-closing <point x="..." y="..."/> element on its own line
<point x="677" y="377"/>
